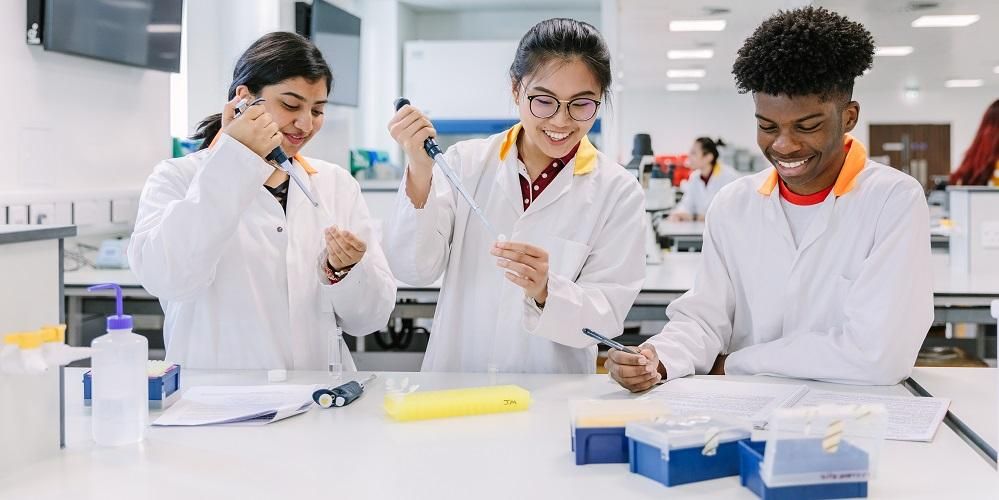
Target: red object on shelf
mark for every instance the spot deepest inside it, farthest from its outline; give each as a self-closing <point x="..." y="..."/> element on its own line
<point x="680" y="170"/>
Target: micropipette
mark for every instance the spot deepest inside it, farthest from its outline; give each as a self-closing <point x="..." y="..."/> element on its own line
<point x="435" y="153"/>
<point x="278" y="156"/>
<point x="341" y="395"/>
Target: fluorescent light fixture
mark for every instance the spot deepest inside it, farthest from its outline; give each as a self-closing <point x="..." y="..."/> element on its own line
<point x="955" y="84"/>
<point x="957" y="21"/>
<point x="895" y="51"/>
<point x="697" y="25"/>
<point x="685" y="73"/>
<point x="682" y="87"/>
<point x="163" y="28"/>
<point x="995" y="69"/>
<point x="690" y="54"/>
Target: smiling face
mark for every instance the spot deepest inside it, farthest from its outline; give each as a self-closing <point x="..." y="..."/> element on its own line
<point x="555" y="136"/>
<point x="297" y="106"/>
<point x="699" y="160"/>
<point x="803" y="137"/>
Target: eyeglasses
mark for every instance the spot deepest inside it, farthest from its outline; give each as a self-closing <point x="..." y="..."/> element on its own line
<point x="545" y="106"/>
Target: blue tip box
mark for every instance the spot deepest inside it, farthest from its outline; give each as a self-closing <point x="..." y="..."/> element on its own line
<point x="600" y="445"/>
<point x="161" y="387"/>
<point x="848" y="457"/>
<point x="682" y="450"/>
<point x="597" y="427"/>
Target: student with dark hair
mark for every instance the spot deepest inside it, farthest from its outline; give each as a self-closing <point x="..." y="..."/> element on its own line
<point x="816" y="268"/>
<point x="574" y="219"/>
<point x="250" y="274"/>
<point x="709" y="176"/>
<point x="980" y="166"/>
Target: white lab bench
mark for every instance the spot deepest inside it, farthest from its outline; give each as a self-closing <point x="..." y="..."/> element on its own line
<point x="974" y="395"/>
<point x="31" y="270"/>
<point x="357" y="452"/>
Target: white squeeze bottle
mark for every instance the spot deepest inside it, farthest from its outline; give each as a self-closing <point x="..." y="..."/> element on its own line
<point x="120" y="399"/>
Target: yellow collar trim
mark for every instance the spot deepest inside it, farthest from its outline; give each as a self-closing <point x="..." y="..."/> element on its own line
<point x="586" y="155"/>
<point x="856" y="159"/>
<point x="299" y="158"/>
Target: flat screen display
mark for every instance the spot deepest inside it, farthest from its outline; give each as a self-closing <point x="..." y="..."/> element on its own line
<point x="143" y="33"/>
<point x="337" y="33"/>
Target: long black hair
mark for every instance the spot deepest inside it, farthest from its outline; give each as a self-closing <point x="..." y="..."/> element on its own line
<point x="273" y="58"/>
<point x="562" y="39"/>
<point x="710" y="146"/>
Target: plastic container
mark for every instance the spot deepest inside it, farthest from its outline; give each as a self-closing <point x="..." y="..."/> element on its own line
<point x="163" y="382"/>
<point x="120" y="386"/>
<point x="685" y="449"/>
<point x="457" y="402"/>
<point x="597" y="427"/>
<point x="828" y="451"/>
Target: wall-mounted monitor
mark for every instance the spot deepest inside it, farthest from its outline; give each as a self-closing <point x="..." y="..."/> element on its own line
<point x="143" y="33"/>
<point x="337" y="33"/>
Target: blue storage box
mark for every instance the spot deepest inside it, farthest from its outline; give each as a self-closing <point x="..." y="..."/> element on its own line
<point x="848" y="457"/>
<point x="164" y="380"/>
<point x="597" y="427"/>
<point x="685" y="449"/>
<point x="600" y="445"/>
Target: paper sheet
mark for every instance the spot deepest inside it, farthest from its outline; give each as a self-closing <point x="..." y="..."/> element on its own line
<point x="747" y="401"/>
<point x="264" y="404"/>
<point x="910" y="418"/>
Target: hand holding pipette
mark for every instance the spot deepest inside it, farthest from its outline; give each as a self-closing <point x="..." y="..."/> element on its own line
<point x="413" y="130"/>
<point x="263" y="124"/>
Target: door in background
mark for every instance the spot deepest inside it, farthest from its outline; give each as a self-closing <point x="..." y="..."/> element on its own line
<point x="920" y="150"/>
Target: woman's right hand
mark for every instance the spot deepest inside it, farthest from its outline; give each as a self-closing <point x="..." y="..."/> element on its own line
<point x="410" y="128"/>
<point x="253" y="128"/>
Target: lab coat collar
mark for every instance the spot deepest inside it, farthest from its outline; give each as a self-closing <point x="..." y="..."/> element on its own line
<point x="856" y="159"/>
<point x="299" y="158"/>
<point x="585" y="159"/>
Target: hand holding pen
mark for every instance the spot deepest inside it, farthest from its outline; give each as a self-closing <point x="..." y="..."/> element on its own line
<point x="636" y="370"/>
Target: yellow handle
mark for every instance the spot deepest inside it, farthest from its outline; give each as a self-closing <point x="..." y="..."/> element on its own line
<point x="457" y="402"/>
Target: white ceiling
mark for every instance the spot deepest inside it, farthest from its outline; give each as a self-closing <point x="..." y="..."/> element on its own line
<point x="940" y="53"/>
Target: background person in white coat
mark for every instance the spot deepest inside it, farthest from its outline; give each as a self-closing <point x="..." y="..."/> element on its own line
<point x="818" y="267"/>
<point x="574" y="218"/>
<point x="249" y="273"/>
<point x="707" y="178"/>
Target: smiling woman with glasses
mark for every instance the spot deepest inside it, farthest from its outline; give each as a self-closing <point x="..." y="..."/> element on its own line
<point x="574" y="217"/>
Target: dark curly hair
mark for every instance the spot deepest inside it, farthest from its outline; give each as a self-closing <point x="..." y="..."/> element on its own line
<point x="806" y="51"/>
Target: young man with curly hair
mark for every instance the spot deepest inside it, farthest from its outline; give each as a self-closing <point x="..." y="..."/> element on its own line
<point x="817" y="267"/>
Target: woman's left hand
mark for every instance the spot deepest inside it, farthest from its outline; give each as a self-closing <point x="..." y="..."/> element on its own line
<point x="526" y="265"/>
<point x="343" y="249"/>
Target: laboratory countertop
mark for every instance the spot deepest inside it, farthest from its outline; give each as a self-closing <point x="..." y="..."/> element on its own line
<point x="974" y="395"/>
<point x="21" y="233"/>
<point x="356" y="452"/>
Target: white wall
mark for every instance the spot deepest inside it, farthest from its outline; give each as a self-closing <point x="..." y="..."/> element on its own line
<point x="74" y="124"/>
<point x="675" y="119"/>
<point x="490" y="24"/>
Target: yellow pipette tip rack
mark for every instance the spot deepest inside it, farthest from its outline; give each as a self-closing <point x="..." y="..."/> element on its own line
<point x="457" y="402"/>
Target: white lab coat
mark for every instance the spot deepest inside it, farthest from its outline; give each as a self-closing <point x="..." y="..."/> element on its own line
<point x="697" y="195"/>
<point x="240" y="282"/>
<point x="590" y="219"/>
<point x="851" y="304"/>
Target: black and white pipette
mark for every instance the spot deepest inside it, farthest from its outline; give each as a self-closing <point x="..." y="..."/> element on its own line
<point x="435" y="153"/>
<point x="341" y="395"/>
<point x="279" y="157"/>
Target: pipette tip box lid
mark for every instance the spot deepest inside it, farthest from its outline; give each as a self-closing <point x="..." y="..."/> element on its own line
<point x="597" y="427"/>
<point x="828" y="451"/>
<point x="685" y="448"/>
